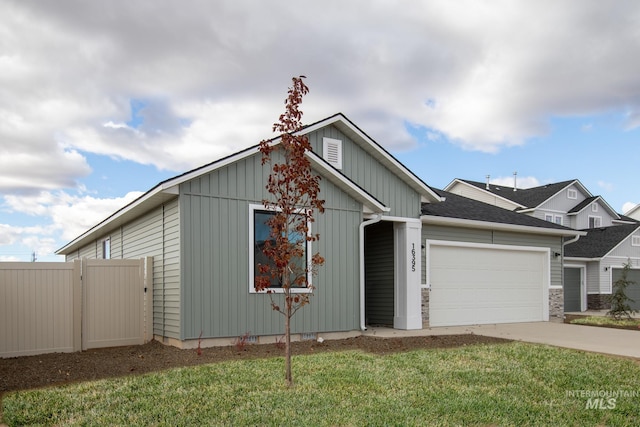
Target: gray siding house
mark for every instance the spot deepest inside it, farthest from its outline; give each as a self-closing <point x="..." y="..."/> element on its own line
<point x="377" y="235"/>
<point x="593" y="263"/>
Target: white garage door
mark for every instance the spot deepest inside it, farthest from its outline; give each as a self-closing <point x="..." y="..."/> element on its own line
<point x="478" y="284"/>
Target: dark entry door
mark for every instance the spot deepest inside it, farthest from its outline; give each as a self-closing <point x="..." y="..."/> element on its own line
<point x="572" y="297"/>
<point x="379" y="274"/>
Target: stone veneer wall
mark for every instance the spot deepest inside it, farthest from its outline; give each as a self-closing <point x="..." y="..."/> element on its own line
<point x="598" y="302"/>
<point x="556" y="303"/>
<point x="425" y="307"/>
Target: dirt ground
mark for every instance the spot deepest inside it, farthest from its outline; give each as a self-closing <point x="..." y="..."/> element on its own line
<point x="29" y="372"/>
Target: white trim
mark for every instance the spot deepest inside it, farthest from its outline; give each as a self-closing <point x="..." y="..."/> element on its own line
<point x="635" y="240"/>
<point x="469" y="223"/>
<point x="599" y="218"/>
<point x="346" y="184"/>
<point x="332" y="151"/>
<point x="379" y="153"/>
<point x="594" y="207"/>
<point x="252" y="275"/>
<point x="572" y="193"/>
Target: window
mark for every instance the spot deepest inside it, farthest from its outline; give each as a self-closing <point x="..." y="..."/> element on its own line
<point x="259" y="234"/>
<point x="594" y="207"/>
<point x="332" y="152"/>
<point x="595" y="222"/>
<point x="106" y="249"/>
<point x="572" y="193"/>
<point x="557" y="219"/>
<point x="635" y="240"/>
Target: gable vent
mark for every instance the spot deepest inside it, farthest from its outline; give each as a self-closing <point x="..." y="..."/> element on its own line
<point x="332" y="152"/>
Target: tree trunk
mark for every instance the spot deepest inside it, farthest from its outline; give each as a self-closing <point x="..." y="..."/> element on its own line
<point x="287" y="345"/>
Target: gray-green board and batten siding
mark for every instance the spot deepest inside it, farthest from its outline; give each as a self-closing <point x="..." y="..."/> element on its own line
<point x="215" y="272"/>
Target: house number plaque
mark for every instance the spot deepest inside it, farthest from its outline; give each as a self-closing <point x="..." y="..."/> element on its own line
<point x="413" y="257"/>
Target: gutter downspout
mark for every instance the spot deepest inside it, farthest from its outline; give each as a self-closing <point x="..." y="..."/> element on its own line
<point x="361" y="227"/>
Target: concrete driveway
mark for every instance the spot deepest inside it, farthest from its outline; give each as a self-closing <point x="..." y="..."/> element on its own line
<point x="618" y="342"/>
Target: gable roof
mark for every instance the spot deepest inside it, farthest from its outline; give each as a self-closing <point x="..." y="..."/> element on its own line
<point x="600" y="241"/>
<point x="458" y="210"/>
<point x="356" y="134"/>
<point x="586" y="202"/>
<point x="168" y="189"/>
<point x="632" y="210"/>
<point x="526" y="197"/>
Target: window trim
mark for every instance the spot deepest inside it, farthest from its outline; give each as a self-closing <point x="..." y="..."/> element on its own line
<point x="599" y="218"/>
<point x="556" y="219"/>
<point x="572" y="193"/>
<point x="635" y="240"/>
<point x="252" y="273"/>
<point x="106" y="248"/>
<point x="594" y="207"/>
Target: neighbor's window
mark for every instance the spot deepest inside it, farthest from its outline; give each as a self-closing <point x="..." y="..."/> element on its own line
<point x="558" y="219"/>
<point x="548" y="217"/>
<point x="572" y="194"/>
<point x="106" y="249"/>
<point x="635" y="240"/>
<point x="259" y="234"/>
<point x="594" y="207"/>
<point x="595" y="221"/>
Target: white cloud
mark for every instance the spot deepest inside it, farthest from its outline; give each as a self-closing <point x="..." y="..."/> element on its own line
<point x="213" y="75"/>
<point x="607" y="186"/>
<point x="68" y="215"/>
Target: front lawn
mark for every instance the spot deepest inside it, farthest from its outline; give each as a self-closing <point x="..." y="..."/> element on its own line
<point x="501" y="384"/>
<point x="608" y="322"/>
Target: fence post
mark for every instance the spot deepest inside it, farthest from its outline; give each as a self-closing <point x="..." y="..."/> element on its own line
<point x="148" y="299"/>
<point x="77" y="305"/>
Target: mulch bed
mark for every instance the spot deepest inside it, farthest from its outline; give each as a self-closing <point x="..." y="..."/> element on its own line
<point x="44" y="370"/>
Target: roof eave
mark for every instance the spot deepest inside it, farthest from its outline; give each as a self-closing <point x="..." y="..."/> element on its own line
<point x="158" y="195"/>
<point x="470" y="223"/>
<point x="346" y="185"/>
<point x="379" y="153"/>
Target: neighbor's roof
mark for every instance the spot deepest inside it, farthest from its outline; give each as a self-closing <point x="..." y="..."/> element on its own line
<point x="600" y="241"/>
<point x="526" y="197"/>
<point x="458" y="210"/>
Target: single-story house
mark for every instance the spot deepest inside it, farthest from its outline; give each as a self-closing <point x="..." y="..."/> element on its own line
<point x="385" y="246"/>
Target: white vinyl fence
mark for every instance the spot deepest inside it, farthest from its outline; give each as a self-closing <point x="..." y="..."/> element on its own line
<point x="72" y="306"/>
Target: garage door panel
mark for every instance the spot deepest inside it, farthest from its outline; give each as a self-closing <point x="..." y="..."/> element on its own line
<point x="479" y="285"/>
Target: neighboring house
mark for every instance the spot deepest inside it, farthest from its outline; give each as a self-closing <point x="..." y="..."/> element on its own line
<point x="204" y="229"/>
<point x="634" y="213"/>
<point x="599" y="257"/>
<point x="587" y="284"/>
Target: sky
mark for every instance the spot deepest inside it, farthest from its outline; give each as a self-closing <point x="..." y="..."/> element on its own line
<point x="100" y="101"/>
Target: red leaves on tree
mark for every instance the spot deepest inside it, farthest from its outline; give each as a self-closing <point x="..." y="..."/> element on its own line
<point x="295" y="191"/>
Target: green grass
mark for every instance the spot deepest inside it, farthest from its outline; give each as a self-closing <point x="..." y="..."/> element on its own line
<point x="502" y="384"/>
<point x="606" y="321"/>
